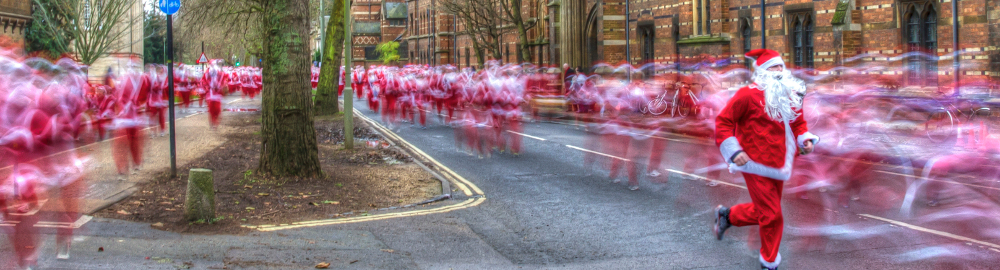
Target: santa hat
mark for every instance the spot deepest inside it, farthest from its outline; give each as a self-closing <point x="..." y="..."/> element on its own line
<point x="765" y="58"/>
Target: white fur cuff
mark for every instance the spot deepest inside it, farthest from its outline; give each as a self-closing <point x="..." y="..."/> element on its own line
<point x="808" y="136"/>
<point x="772" y="265"/>
<point x="729" y="147"/>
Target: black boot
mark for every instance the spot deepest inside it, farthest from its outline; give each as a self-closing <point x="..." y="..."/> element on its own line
<point x="721" y="221"/>
<point x="763" y="267"/>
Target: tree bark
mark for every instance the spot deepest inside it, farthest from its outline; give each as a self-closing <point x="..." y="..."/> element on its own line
<point x="288" y="146"/>
<point x="333" y="55"/>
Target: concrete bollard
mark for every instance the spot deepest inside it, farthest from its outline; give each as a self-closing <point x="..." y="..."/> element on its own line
<point x="200" y="201"/>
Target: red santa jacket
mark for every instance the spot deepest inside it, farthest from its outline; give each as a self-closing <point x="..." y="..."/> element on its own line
<point x="743" y="125"/>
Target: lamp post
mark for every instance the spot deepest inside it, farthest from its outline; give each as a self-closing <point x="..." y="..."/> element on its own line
<point x="954" y="46"/>
<point x="763" y="24"/>
<point x="348" y="92"/>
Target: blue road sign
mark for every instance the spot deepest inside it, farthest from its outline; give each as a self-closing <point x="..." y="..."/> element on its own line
<point x="170" y="6"/>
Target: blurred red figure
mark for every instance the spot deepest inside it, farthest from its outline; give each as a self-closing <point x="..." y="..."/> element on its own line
<point x="128" y="126"/>
<point x="156" y="103"/>
<point x="182" y="85"/>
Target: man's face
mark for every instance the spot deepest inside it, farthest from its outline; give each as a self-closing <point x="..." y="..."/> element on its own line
<point x="777" y="68"/>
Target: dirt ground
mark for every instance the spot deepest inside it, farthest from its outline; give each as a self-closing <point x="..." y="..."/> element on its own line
<point x="372" y="176"/>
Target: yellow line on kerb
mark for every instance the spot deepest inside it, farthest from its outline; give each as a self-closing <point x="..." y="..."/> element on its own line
<point x="467" y="187"/>
<point x="471" y="202"/>
<point x="460" y="181"/>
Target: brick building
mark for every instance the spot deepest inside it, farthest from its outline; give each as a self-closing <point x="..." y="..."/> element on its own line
<point x="14" y="18"/>
<point x="903" y="35"/>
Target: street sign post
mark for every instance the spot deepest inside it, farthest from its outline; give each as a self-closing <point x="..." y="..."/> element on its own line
<point x="170" y="7"/>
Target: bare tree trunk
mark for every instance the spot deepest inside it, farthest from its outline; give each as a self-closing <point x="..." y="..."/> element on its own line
<point x="288" y="145"/>
<point x="333" y="54"/>
<point x="522" y="42"/>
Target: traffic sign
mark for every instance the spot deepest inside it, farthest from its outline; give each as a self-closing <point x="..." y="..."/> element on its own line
<point x="203" y="59"/>
<point x="170" y="7"/>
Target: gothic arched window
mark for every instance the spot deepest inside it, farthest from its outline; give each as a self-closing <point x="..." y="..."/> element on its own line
<point x="802" y="39"/>
<point x="920" y="37"/>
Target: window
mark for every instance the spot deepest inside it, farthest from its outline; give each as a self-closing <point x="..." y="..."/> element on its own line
<point x="920" y="37"/>
<point x="466" y="56"/>
<point x="995" y="64"/>
<point x="702" y="17"/>
<point x="397" y="22"/>
<point x="647" y="35"/>
<point x="404" y="49"/>
<point x="506" y="53"/>
<point x="370" y="53"/>
<point x="746" y="35"/>
<point x="802" y="39"/>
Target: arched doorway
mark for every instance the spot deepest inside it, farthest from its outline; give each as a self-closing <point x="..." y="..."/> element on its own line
<point x="592" y="45"/>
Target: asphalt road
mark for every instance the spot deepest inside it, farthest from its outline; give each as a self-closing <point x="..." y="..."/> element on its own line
<point x="543" y="211"/>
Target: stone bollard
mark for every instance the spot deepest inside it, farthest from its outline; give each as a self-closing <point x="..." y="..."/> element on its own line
<point x="200" y="201"/>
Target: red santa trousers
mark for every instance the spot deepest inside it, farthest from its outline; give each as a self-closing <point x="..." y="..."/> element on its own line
<point x="185" y="98"/>
<point x="128" y="147"/>
<point x="764" y="211"/>
<point x="214" y="110"/>
<point x="158" y="114"/>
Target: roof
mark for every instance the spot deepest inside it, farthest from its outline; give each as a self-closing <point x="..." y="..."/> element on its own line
<point x="367" y="27"/>
<point x="395" y="10"/>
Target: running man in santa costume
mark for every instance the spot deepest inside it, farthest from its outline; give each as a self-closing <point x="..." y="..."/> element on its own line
<point x="759" y="133"/>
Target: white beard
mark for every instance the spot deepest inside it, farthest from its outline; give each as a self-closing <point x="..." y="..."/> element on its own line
<point x="782" y="94"/>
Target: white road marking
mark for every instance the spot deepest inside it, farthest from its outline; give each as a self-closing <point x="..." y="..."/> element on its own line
<point x="936" y="232"/>
<point x="595" y="152"/>
<point x="945" y="181"/>
<point x="526" y="135"/>
<point x="707" y="179"/>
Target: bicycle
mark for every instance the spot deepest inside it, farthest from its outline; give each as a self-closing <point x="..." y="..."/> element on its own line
<point x="946" y="123"/>
<point x="686" y="106"/>
<point x="657" y="105"/>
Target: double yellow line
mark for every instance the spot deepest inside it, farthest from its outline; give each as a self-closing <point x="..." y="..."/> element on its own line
<point x="468" y="188"/>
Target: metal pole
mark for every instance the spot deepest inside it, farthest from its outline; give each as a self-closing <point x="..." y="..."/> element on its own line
<point x="454" y="39"/>
<point x="958" y="57"/>
<point x="170" y="89"/>
<point x="628" y="46"/>
<point x="348" y="92"/>
<point x="763" y="24"/>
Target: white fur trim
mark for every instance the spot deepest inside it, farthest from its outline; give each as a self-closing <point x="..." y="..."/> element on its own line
<point x="772" y="265"/>
<point x="769" y="63"/>
<point x="729" y="147"/>
<point x="781" y="174"/>
<point x="808" y="136"/>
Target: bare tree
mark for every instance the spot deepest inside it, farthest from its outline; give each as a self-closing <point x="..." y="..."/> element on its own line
<point x="514" y="15"/>
<point x="482" y="21"/>
<point x="99" y="29"/>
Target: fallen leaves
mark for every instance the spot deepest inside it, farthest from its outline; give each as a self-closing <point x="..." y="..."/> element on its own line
<point x="388" y="251"/>
<point x="263" y="194"/>
<point x="323" y="265"/>
<point x="331" y="202"/>
<point x="123" y="212"/>
<point x="157" y="225"/>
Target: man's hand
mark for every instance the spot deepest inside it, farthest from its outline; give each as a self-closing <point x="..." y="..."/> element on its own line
<point x="741" y="159"/>
<point x="807" y="147"/>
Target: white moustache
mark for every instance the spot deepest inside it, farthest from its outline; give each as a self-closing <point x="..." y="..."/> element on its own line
<point x="782" y="92"/>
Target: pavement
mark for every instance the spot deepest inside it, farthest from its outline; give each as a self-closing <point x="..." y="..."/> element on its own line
<point x="545" y="210"/>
